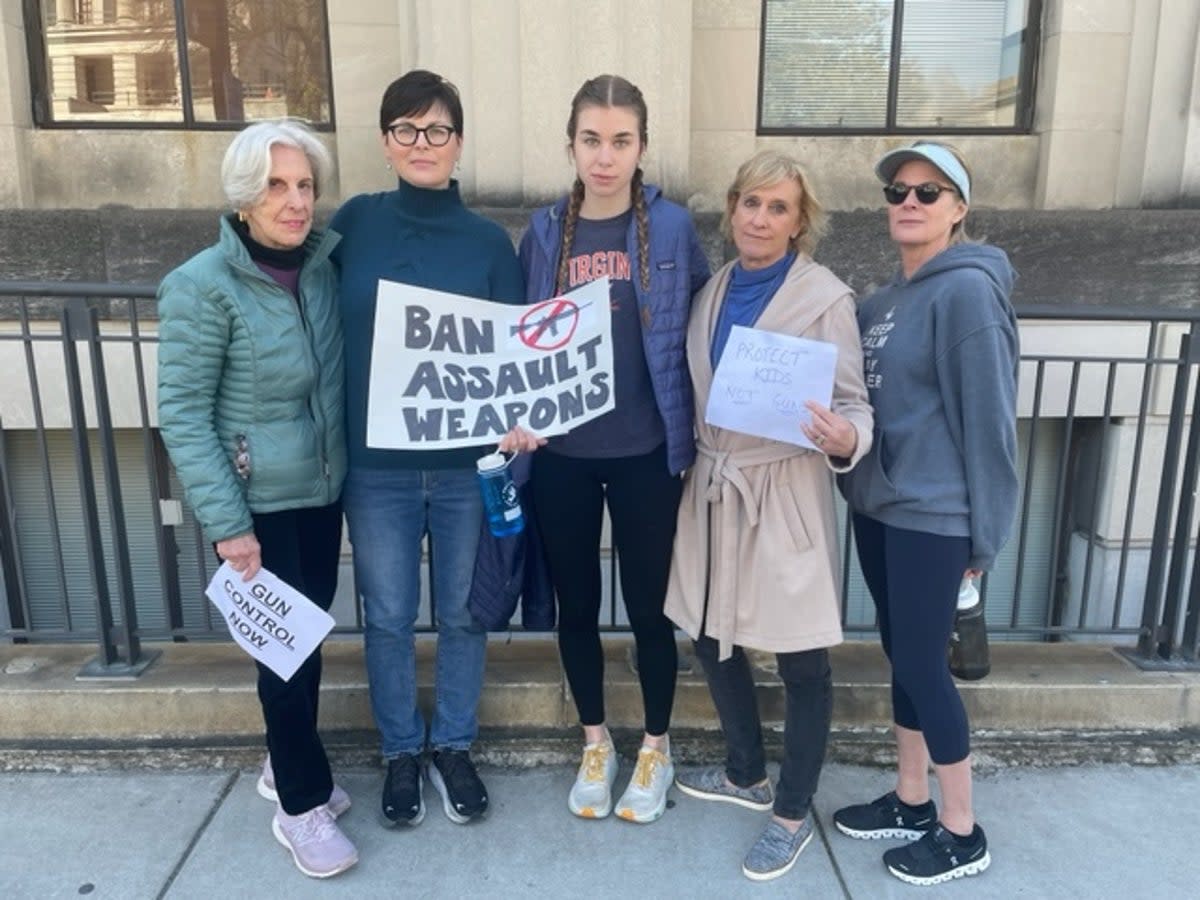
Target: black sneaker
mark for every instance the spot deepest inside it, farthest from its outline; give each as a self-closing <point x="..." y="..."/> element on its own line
<point x="402" y="802"/>
<point x="886" y="817"/>
<point x="463" y="795"/>
<point x="938" y="857"/>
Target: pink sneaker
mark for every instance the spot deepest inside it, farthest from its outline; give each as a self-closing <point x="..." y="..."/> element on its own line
<point x="339" y="800"/>
<point x="317" y="845"/>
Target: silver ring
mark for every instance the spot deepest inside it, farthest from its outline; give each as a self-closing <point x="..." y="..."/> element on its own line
<point x="820" y="439"/>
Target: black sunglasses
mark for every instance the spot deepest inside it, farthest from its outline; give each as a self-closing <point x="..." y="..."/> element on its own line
<point x="927" y="193"/>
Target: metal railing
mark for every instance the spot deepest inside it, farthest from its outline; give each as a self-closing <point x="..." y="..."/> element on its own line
<point x="1108" y="443"/>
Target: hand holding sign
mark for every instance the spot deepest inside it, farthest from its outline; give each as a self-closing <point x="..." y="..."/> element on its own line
<point x="519" y="440"/>
<point x="270" y="619"/>
<point x="763" y="381"/>
<point x="834" y="435"/>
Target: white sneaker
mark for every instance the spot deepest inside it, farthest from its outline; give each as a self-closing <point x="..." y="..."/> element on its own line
<point x="338" y="803"/>
<point x="317" y="845"/>
<point x="591" y="794"/>
<point x="646" y="797"/>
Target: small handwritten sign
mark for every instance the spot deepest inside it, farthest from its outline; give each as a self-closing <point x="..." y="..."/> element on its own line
<point x="763" y="381"/>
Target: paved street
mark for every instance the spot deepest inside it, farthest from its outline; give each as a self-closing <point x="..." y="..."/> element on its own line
<point x="1088" y="831"/>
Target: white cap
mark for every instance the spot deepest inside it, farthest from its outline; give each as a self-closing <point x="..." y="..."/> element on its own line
<point x="495" y="460"/>
<point x="936" y="154"/>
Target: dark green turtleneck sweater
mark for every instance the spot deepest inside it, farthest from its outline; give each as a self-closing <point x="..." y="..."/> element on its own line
<point x="429" y="239"/>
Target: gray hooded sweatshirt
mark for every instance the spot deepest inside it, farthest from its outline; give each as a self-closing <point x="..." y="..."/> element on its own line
<point x="940" y="355"/>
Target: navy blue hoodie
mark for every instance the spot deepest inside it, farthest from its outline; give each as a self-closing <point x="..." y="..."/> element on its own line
<point x="940" y="354"/>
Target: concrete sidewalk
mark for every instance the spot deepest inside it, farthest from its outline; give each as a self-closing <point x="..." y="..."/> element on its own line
<point x="1089" y="831"/>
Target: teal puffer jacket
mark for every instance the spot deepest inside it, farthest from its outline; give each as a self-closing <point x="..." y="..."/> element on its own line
<point x="239" y="357"/>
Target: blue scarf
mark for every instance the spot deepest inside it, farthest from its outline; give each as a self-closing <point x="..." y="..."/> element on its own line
<point x="748" y="293"/>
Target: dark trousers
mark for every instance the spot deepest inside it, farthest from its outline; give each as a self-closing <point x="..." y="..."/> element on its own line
<point x="913" y="577"/>
<point x="302" y="547"/>
<point x="808" y="685"/>
<point x="643" y="500"/>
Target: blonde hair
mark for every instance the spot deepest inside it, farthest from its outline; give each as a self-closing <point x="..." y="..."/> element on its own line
<point x="958" y="231"/>
<point x="769" y="167"/>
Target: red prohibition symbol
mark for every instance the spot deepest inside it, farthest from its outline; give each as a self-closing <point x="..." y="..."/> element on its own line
<point x="549" y="325"/>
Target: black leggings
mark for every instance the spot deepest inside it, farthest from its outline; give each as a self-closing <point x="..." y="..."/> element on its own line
<point x="301" y="546"/>
<point x="913" y="577"/>
<point x="643" y="498"/>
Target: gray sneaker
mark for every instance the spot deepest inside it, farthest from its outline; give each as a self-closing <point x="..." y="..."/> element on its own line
<point x="338" y="803"/>
<point x="710" y="783"/>
<point x="776" y="851"/>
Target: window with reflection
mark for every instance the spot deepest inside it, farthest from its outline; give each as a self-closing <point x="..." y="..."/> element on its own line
<point x="182" y="62"/>
<point x="897" y="65"/>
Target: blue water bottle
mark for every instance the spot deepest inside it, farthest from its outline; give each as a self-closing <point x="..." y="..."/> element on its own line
<point x="501" y="503"/>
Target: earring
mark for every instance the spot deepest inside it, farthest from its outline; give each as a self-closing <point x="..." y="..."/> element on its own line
<point x="241" y="216"/>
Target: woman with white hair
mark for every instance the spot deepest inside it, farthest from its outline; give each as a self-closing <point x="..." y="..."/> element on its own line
<point x="250" y="407"/>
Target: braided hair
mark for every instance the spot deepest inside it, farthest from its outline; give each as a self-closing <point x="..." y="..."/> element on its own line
<point x="608" y="91"/>
<point x="568" y="235"/>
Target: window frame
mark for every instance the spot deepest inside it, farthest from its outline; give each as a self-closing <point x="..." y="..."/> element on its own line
<point x="1026" y="81"/>
<point x="42" y="102"/>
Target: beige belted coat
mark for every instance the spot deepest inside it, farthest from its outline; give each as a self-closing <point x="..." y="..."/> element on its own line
<point x="757" y="538"/>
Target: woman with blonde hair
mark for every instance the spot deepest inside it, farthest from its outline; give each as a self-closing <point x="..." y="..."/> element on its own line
<point x="934" y="501"/>
<point x="756" y="548"/>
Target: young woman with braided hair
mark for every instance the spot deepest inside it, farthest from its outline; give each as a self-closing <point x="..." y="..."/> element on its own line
<point x="613" y="224"/>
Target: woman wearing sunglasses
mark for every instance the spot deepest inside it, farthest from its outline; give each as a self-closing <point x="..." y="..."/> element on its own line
<point x="934" y="499"/>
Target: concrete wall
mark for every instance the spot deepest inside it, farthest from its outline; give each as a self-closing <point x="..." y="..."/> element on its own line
<point x="1117" y="118"/>
<point x="16" y="116"/>
<point x="517" y="64"/>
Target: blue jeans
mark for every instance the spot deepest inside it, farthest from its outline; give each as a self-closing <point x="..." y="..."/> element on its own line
<point x="388" y="512"/>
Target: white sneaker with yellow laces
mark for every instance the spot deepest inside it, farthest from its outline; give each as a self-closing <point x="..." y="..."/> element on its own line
<point x="591" y="794"/>
<point x="646" y="797"/>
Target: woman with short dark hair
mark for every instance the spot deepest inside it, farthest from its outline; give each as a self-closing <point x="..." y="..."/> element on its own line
<point x="418" y="234"/>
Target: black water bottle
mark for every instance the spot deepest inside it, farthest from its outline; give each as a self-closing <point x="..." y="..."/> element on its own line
<point x="969" y="657"/>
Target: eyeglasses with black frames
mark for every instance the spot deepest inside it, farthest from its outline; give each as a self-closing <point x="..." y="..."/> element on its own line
<point x="406" y="135"/>
<point x="927" y="193"/>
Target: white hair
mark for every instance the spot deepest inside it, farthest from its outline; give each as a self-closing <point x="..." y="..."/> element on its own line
<point x="247" y="164"/>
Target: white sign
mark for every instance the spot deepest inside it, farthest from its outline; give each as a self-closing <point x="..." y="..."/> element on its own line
<point x="273" y="621"/>
<point x="450" y="371"/>
<point x="763" y="380"/>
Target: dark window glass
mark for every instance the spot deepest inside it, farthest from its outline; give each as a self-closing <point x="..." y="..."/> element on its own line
<point x="117" y="61"/>
<point x="895" y="65"/>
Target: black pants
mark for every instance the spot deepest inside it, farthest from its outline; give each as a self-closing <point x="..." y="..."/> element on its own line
<point x="302" y="547"/>
<point x="808" y="684"/>
<point x="643" y="500"/>
<point x="913" y="577"/>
